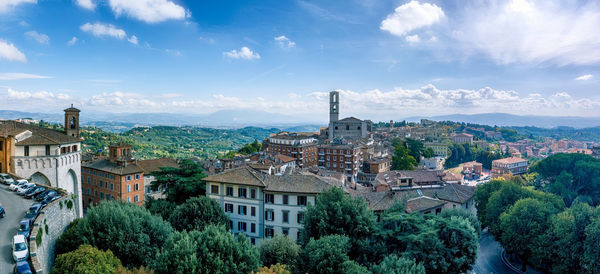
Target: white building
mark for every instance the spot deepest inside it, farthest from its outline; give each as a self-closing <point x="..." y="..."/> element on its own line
<point x="347" y="128"/>
<point x="262" y="205"/>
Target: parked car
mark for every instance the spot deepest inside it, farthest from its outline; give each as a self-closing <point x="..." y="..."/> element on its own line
<point x="24" y="228"/>
<point x="2" y="212"/>
<point x="50" y="198"/>
<point x="33" y="212"/>
<point x="21" y="190"/>
<point x="22" y="267"/>
<point x="17" y="183"/>
<point x="19" y="247"/>
<point x="6" y="179"/>
<point x="45" y="194"/>
<point x="34" y="191"/>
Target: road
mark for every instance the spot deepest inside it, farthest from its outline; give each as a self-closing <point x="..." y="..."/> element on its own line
<point x="15" y="207"/>
<point x="489" y="258"/>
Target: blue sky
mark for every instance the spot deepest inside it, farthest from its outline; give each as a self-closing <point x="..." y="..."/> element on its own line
<point x="390" y="59"/>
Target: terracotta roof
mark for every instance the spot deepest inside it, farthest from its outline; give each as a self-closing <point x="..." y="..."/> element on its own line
<point x="39" y="135"/>
<point x="108" y="166"/>
<point x="451" y="192"/>
<point x="295" y="183"/>
<point x="285" y="158"/>
<point x="350" y="119"/>
<point x="155" y="164"/>
<point x="449" y="177"/>
<point x="240" y="175"/>
<point x="471" y="164"/>
<point x="418" y="176"/>
<point x="422" y="204"/>
<point x="509" y="160"/>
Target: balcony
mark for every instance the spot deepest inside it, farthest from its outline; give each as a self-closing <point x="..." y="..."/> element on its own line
<point x="321" y="153"/>
<point x="348" y="155"/>
<point x="348" y="162"/>
<point x="294" y="152"/>
<point x="321" y="160"/>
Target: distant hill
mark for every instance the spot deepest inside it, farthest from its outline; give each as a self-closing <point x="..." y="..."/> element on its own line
<point x="505" y="119"/>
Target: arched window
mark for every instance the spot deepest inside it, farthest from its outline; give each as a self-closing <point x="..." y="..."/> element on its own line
<point x="72" y="123"/>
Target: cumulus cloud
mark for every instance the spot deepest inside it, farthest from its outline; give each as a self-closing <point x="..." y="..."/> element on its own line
<point x="6" y="5"/>
<point x="584" y="77"/>
<point x="38" y="37"/>
<point x="411" y="16"/>
<point x="119" y="98"/>
<point x="20" y="76"/>
<point x="149" y="11"/>
<point x="243" y="53"/>
<point x="72" y="42"/>
<point x="530" y="31"/>
<point x="9" y="52"/>
<point x="413" y="39"/>
<point x="39" y="95"/>
<point x="284" y="42"/>
<point x="86" y="4"/>
<point x="101" y="30"/>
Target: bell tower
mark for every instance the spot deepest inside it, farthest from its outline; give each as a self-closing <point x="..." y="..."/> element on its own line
<point x="334" y="106"/>
<point x="72" y="121"/>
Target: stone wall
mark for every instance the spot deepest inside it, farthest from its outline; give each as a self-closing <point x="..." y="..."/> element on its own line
<point x="49" y="225"/>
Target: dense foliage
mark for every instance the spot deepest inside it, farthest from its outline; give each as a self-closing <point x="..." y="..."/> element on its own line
<point x="392" y="264"/>
<point x="402" y="159"/>
<point x="86" y="259"/>
<point x="130" y="231"/>
<point x="246" y="149"/>
<point x="461" y="153"/>
<point x="196" y="213"/>
<point x="280" y="250"/>
<point x="180" y="183"/>
<point x="329" y="254"/>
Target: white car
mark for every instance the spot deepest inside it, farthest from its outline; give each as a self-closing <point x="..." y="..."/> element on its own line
<point x="6" y="179"/>
<point x="21" y="189"/>
<point x="17" y="184"/>
<point x="19" y="246"/>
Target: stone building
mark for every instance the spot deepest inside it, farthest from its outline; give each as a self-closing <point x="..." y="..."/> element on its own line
<point x="300" y="146"/>
<point x="116" y="178"/>
<point x="509" y="166"/>
<point x="347" y="128"/>
<point x="45" y="156"/>
<point x="461" y="138"/>
<point x="343" y="158"/>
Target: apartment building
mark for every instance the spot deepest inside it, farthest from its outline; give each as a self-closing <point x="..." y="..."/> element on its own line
<point x="300" y="146"/>
<point x="343" y="158"/>
<point x="511" y="165"/>
<point x="263" y="205"/>
<point x="116" y="178"/>
<point x="461" y="138"/>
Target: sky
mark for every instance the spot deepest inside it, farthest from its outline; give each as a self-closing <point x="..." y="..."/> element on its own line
<point x="389" y="59"/>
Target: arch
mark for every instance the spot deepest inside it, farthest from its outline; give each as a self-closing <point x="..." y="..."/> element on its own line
<point x="28" y="164"/>
<point x="71" y="182"/>
<point x="40" y="178"/>
<point x="34" y="163"/>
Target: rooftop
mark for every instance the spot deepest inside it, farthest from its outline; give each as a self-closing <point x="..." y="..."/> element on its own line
<point x="509" y="160"/>
<point x="110" y="167"/>
<point x="39" y="135"/>
<point x="155" y="164"/>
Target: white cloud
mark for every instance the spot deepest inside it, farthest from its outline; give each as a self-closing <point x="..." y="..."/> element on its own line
<point x="149" y="11"/>
<point x="40" y="95"/>
<point x="584" y="77"/>
<point x="100" y="29"/>
<point x="530" y="31"/>
<point x="119" y="98"/>
<point x="133" y="39"/>
<point x="20" y="76"/>
<point x="413" y="39"/>
<point x="284" y="42"/>
<point x="38" y="37"/>
<point x="411" y="16"/>
<point x="10" y="52"/>
<point x="86" y="4"/>
<point x="6" y="5"/>
<point x="72" y="41"/>
<point x="243" y="53"/>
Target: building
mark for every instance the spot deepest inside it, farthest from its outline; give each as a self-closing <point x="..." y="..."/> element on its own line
<point x="262" y="205"/>
<point x="302" y="147"/>
<point x="347" y="128"/>
<point x="511" y="165"/>
<point x="45" y="156"/>
<point x="596" y="152"/>
<point x="343" y="158"/>
<point x="149" y="166"/>
<point x="461" y="138"/>
<point x="439" y="149"/>
<point x="117" y="178"/>
<point x="472" y="170"/>
<point x="372" y="167"/>
<point x="403" y="179"/>
<point x="433" y="163"/>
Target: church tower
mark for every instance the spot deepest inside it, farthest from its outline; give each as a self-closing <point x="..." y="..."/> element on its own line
<point x="72" y="121"/>
<point x="334" y="106"/>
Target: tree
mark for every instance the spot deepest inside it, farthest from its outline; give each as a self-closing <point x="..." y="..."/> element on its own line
<point x="402" y="160"/>
<point x="180" y="183"/>
<point x="427" y="248"/>
<point x="130" y="231"/>
<point x="251" y="148"/>
<point x="273" y="269"/>
<point x="563" y="186"/>
<point x="463" y="213"/>
<point x="508" y="194"/>
<point x="460" y="241"/>
<point x="416" y="149"/>
<point x="196" y="213"/>
<point x="428" y="153"/>
<point x="392" y="264"/>
<point x="87" y="259"/>
<point x="337" y="213"/>
<point x="212" y="250"/>
<point x="160" y="207"/>
<point x="329" y="254"/>
<point x="482" y="195"/>
<point x="591" y="245"/>
<point x="522" y="226"/>
<point x="279" y="250"/>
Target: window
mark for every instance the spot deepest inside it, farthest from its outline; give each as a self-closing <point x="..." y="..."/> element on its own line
<point x="269" y="232"/>
<point x="137" y="176"/>
<point x="106" y="185"/>
<point x="26" y="152"/>
<point x="252" y="241"/>
<point x="347" y="127"/>
<point x="242" y="192"/>
<point x="89" y="191"/>
<point x="1" y="145"/>
<point x="229" y="208"/>
<point x="253" y="193"/>
<point x="214" y="189"/>
<point x="285" y="199"/>
<point x="100" y="173"/>
<point x="47" y="148"/>
<point x="129" y="199"/>
<point x="128" y="178"/>
<point x="128" y="188"/>
<point x="137" y="198"/>
<point x="229" y="191"/>
<point x="242" y="210"/>
<point x="269" y="198"/>
<point x="136" y="187"/>
<point x="285" y="231"/>
<point x="302" y="200"/>
<point x="88" y="179"/>
<point x="242" y="226"/>
<point x="286" y="215"/>
<point x="252" y="211"/>
<point x="101" y="195"/>
<point x="106" y="175"/>
<point x="112" y="187"/>
<point x="95" y="193"/>
<point x="300" y="218"/>
<point x="269" y="215"/>
<point x="252" y="228"/>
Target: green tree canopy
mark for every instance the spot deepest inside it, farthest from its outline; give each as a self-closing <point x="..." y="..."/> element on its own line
<point x="196" y="213"/>
<point x="401" y="159"/>
<point x="280" y="249"/>
<point x="160" y="207"/>
<point x="86" y="259"/>
<point x="591" y="247"/>
<point x="392" y="264"/>
<point x="508" y="194"/>
<point x="130" y="231"/>
<point x="329" y="254"/>
<point x="180" y="183"/>
<point x="482" y="195"/>
<point x="463" y="213"/>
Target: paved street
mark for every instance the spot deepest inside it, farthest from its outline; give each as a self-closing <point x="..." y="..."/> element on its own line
<point x="489" y="258"/>
<point x="15" y="207"/>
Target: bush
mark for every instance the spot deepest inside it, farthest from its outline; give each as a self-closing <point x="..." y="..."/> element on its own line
<point x="86" y="259"/>
<point x="196" y="213"/>
<point x="279" y="250"/>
